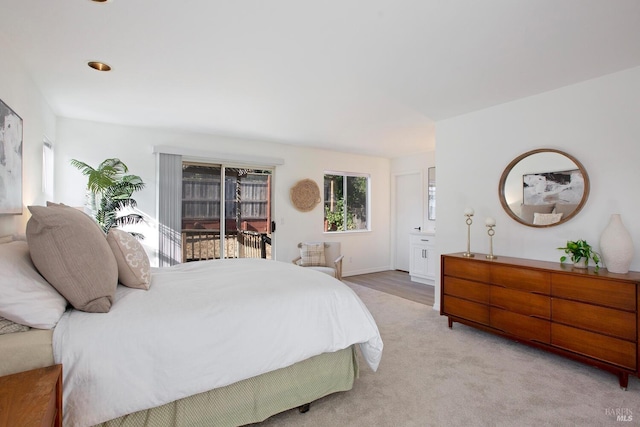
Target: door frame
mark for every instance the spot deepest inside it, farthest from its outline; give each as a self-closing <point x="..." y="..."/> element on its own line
<point x="394" y="207"/>
<point x="223" y="168"/>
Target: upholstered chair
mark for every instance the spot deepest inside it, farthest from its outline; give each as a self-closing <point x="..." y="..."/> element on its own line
<point x="321" y="256"/>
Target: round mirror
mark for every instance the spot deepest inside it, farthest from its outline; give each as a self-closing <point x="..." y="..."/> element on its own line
<point x="543" y="188"/>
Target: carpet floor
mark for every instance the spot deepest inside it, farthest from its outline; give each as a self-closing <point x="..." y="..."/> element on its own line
<point x="431" y="375"/>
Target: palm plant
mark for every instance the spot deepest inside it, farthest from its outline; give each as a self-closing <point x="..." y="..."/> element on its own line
<point x="111" y="191"/>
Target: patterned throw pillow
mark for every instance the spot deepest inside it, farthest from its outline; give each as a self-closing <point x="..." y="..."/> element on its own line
<point x="312" y="254"/>
<point x="133" y="263"/>
<point x="9" y="327"/>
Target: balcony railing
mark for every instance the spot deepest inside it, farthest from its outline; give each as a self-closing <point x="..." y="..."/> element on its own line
<point x="203" y="244"/>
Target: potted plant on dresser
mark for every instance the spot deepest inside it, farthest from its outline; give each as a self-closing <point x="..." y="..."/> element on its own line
<point x="580" y="252"/>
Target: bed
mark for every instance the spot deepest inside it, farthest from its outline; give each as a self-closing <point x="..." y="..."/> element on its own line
<point x="222" y="342"/>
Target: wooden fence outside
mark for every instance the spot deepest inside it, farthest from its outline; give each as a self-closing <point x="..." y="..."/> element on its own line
<point x="203" y="244"/>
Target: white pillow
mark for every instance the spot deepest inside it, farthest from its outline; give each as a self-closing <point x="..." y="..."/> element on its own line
<point x="546" y="218"/>
<point x="25" y="296"/>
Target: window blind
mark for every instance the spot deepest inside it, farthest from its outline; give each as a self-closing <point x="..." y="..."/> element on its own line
<point x="169" y="209"/>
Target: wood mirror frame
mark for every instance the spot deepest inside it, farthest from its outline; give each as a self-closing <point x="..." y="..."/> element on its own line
<point x="533" y="164"/>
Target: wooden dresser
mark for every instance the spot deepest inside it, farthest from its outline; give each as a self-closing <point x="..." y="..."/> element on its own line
<point x="32" y="398"/>
<point x="587" y="316"/>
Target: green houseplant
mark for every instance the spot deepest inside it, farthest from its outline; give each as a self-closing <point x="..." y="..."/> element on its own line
<point x="110" y="189"/>
<point x="580" y="253"/>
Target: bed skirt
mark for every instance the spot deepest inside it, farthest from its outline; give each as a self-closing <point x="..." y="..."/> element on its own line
<point x="254" y="399"/>
<point x="23" y="351"/>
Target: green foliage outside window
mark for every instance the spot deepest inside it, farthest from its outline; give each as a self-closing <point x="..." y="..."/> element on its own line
<point x="345" y="197"/>
<point x="335" y="219"/>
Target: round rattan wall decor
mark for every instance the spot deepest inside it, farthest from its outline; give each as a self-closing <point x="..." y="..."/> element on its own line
<point x="305" y="195"/>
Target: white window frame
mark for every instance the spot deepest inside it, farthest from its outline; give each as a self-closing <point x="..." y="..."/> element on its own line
<point x="47" y="169"/>
<point x="344" y="183"/>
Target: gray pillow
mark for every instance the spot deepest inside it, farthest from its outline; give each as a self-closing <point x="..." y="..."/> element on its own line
<point x="565" y="209"/>
<point x="72" y="253"/>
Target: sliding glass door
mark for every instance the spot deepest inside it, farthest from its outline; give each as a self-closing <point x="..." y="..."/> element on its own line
<point x="226" y="212"/>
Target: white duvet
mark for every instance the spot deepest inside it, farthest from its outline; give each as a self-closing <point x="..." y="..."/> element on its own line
<point x="200" y="326"/>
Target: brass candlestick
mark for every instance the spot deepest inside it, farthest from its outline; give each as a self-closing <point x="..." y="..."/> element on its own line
<point x="468" y="213"/>
<point x="491" y="232"/>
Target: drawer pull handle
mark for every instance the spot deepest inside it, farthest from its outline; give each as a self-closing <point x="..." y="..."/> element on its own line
<point x="424" y="240"/>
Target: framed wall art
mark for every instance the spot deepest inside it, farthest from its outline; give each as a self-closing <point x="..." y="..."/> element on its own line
<point x="10" y="161"/>
<point x="566" y="187"/>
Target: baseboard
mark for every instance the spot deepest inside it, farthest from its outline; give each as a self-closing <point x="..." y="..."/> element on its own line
<point x="430" y="282"/>
<point x="364" y="271"/>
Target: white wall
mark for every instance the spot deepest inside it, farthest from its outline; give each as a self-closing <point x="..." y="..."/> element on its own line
<point x="415" y="163"/>
<point x="418" y="162"/>
<point x="93" y="142"/>
<point x="597" y="121"/>
<point x="20" y="93"/>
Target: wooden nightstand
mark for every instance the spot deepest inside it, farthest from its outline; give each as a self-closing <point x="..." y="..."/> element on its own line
<point x="32" y="398"/>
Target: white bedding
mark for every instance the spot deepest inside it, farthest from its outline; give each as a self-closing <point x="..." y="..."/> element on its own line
<point x="200" y="326"/>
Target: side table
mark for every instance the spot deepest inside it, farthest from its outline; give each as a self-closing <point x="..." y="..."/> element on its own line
<point x="32" y="398"/>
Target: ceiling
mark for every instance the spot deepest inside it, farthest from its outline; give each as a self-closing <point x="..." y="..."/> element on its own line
<point x="366" y="76"/>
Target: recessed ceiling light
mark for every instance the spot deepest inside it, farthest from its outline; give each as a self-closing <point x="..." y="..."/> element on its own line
<point x="100" y="66"/>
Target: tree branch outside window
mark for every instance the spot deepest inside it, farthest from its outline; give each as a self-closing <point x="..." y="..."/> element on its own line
<point x="346" y="205"/>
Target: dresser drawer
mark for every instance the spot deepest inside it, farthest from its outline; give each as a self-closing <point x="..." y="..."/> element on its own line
<point x="621" y="324"/>
<point x="467" y="289"/>
<point x="466" y="309"/>
<point x="521" y="326"/>
<point x="597" y="291"/>
<point x="520" y="302"/>
<point x="597" y="346"/>
<point x="521" y="278"/>
<point x="467" y="269"/>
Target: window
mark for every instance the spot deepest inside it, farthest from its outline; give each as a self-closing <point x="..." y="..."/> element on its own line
<point x="346" y="202"/>
<point x="47" y="169"/>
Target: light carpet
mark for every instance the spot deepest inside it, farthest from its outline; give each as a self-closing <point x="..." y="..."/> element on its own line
<point x="431" y="375"/>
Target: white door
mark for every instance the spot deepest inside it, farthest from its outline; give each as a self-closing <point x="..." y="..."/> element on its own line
<point x="408" y="210"/>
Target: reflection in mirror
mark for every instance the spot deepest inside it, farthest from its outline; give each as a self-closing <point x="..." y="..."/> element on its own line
<point x="431" y="196"/>
<point x="544" y="187"/>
